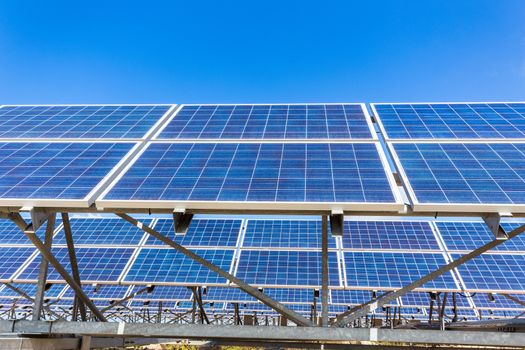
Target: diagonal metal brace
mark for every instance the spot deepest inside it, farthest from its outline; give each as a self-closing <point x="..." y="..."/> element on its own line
<point x="351" y="315"/>
<point x="254" y="292"/>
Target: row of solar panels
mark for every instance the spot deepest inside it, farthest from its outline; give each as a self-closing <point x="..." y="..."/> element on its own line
<point x="276" y="253"/>
<point x="270" y="156"/>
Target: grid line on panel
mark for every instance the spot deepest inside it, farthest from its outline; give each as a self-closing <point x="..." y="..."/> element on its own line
<point x="197" y="172"/>
<point x="80" y="121"/>
<point x="40" y="170"/>
<point x="328" y="121"/>
<point x="452" y="121"/>
<point x="469" y="173"/>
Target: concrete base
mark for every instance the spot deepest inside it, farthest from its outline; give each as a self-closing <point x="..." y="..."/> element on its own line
<point x="20" y="343"/>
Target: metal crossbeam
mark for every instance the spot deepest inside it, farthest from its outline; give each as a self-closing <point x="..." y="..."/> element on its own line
<point x="370" y="306"/>
<point x="254" y="292"/>
<point x="17" y="218"/>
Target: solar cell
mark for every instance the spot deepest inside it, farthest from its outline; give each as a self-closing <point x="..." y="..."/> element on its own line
<point x="251" y="172"/>
<point x="51" y="171"/>
<point x="109" y="292"/>
<point x="30" y="289"/>
<point x="452" y="121"/>
<point x="227" y="294"/>
<point x="11" y="234"/>
<point x="284" y="234"/>
<point x="471" y="235"/>
<point x="201" y="233"/>
<point x="168" y="266"/>
<point x="174" y="293"/>
<point x="394" y="270"/>
<point x="482" y="300"/>
<point x="285" y="268"/>
<point x="11" y="259"/>
<point x="95" y="122"/>
<point x="101" y="232"/>
<point x="310" y="121"/>
<point x="470" y="173"/>
<point x="494" y="272"/>
<point x="94" y="264"/>
<point x="389" y="235"/>
<point x="288" y="295"/>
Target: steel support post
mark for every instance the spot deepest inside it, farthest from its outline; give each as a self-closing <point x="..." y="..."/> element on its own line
<point x="56" y="264"/>
<point x="324" y="258"/>
<point x="42" y="274"/>
<point x="254" y="292"/>
<point x="77" y="305"/>
<point x="349" y="316"/>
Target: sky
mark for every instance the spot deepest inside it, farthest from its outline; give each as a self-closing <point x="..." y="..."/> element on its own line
<point x="261" y="52"/>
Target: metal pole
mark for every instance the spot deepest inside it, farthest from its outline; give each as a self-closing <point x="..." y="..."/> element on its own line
<point x="324" y="260"/>
<point x="42" y="274"/>
<point x="254" y="292"/>
<point x="349" y="316"/>
<point x="74" y="267"/>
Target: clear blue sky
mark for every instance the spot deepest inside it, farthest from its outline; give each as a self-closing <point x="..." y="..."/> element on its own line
<point x="270" y="51"/>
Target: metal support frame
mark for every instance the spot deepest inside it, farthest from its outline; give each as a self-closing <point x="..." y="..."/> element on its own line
<point x="337" y="223"/>
<point x="324" y="258"/>
<point x="197" y="296"/>
<point x="181" y="222"/>
<point x="254" y="292"/>
<point x="77" y="304"/>
<point x="493" y="221"/>
<point x="123" y="300"/>
<point x="26" y="296"/>
<point x="42" y="274"/>
<point x="349" y="316"/>
<point x="28" y="231"/>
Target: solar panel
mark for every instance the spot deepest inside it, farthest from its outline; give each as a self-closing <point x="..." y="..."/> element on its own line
<point x="420" y="299"/>
<point x="389" y="235"/>
<point x="499" y="301"/>
<point x="227" y="294"/>
<point x="284" y="234"/>
<point x="168" y="266"/>
<point x="354" y="297"/>
<point x="494" y="272"/>
<point x="11" y="259"/>
<point x="394" y="270"/>
<point x="285" y="268"/>
<point x="94" y="264"/>
<point x="465" y="174"/>
<point x="288" y="295"/>
<point x="251" y="172"/>
<point x="101" y="232"/>
<point x="30" y="289"/>
<point x="467" y="236"/>
<point x="201" y="233"/>
<point x="310" y="121"/>
<point x="94" y="122"/>
<point x="100" y="291"/>
<point x="11" y="234"/>
<point x="174" y="293"/>
<point x="452" y="121"/>
<point x="37" y="172"/>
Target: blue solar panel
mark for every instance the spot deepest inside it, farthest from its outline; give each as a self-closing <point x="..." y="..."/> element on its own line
<point x="11" y="259"/>
<point x="256" y="172"/>
<point x="101" y="232"/>
<point x="453" y="121"/>
<point x="471" y="235"/>
<point x="493" y="272"/>
<point x="165" y="293"/>
<point x="168" y="266"/>
<point x="104" y="291"/>
<point x="465" y="173"/>
<point x="499" y="302"/>
<point x="201" y="233"/>
<point x="55" y="170"/>
<point x="284" y="234"/>
<point x="389" y="235"/>
<point x="227" y="294"/>
<point x="342" y="121"/>
<point x="285" y="268"/>
<point x="394" y="270"/>
<point x="94" y="264"/>
<point x="354" y="297"/>
<point x="500" y="313"/>
<point x="78" y="121"/>
<point x="11" y="234"/>
<point x="421" y="299"/>
<point x="30" y="289"/>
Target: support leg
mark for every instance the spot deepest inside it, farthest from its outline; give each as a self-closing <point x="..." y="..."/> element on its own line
<point x="42" y="274"/>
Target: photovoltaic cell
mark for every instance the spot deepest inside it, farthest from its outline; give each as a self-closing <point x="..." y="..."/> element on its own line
<point x="394" y="270"/>
<point x="55" y="170"/>
<point x="453" y="121"/>
<point x="168" y="266"/>
<point x="285" y="234"/>
<point x="101" y="232"/>
<point x="256" y="172"/>
<point x="11" y="259"/>
<point x="499" y="302"/>
<point x="11" y="234"/>
<point x="389" y="235"/>
<point x="94" y="264"/>
<point x="227" y="294"/>
<point x="471" y="173"/>
<point x="174" y="293"/>
<point x="30" y="289"/>
<point x="95" y="122"/>
<point x="285" y="268"/>
<point x="494" y="272"/>
<point x="201" y="233"/>
<point x="109" y="292"/>
<point x="337" y="121"/>
<point x="471" y="235"/>
<point x="290" y="295"/>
